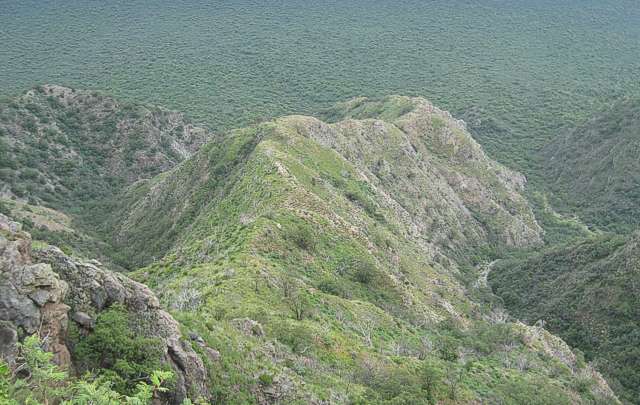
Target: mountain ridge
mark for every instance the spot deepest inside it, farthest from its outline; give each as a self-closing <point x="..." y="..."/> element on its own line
<point x="333" y="262"/>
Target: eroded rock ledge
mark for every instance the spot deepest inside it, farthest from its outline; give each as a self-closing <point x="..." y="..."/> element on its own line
<point x="42" y="290"/>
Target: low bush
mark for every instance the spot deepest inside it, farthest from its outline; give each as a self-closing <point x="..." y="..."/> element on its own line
<point x="114" y="351"/>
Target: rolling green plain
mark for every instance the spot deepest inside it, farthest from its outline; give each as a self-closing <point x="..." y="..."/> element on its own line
<point x="518" y="71"/>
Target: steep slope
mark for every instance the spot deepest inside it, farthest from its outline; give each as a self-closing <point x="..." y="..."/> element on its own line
<point x="75" y="150"/>
<point x="419" y="169"/>
<point x="325" y="262"/>
<point x="67" y="147"/>
<point x="596" y="170"/>
<point x="587" y="293"/>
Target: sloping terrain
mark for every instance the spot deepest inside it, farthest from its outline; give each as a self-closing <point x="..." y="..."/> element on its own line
<point x="596" y="169"/>
<point x="69" y="148"/>
<point x="587" y="293"/>
<point x="90" y="318"/>
<point x="314" y="262"/>
<point x="324" y="262"/>
<point x="419" y="170"/>
<point x="75" y="150"/>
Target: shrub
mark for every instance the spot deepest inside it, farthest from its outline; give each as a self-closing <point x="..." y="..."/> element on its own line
<point x="29" y="125"/>
<point x="302" y="236"/>
<point x="363" y="271"/>
<point x="266" y="379"/>
<point x="116" y="352"/>
<point x="29" y="174"/>
<point x="41" y="381"/>
<point x="4" y="209"/>
<point x="334" y="287"/>
<point x="300" y="305"/>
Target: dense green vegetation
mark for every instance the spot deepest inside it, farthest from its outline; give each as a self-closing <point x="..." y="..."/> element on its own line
<point x="312" y="287"/>
<point x="586" y="292"/>
<point x="516" y="70"/>
<point x="338" y="262"/>
<point x="307" y="252"/>
<point x="39" y="381"/>
<point x="76" y="150"/>
<point x="594" y="170"/>
<point x="71" y="149"/>
<point x="116" y="351"/>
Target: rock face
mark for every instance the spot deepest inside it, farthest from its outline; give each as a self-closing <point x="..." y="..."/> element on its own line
<point x="40" y="291"/>
<point x="425" y="164"/>
<point x="31" y="295"/>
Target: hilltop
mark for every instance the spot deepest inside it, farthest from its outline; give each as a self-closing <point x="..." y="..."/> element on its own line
<point x="312" y="261"/>
<point x="331" y="259"/>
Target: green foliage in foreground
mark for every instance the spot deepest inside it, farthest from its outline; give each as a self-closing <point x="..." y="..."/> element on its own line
<point x="114" y="351"/>
<point x="36" y="380"/>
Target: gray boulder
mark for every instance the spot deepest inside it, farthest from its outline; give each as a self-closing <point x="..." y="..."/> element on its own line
<point x="40" y="290"/>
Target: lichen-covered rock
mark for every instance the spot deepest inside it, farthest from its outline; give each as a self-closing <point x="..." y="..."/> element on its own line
<point x="41" y="290"/>
<point x="31" y="295"/>
<point x="84" y="320"/>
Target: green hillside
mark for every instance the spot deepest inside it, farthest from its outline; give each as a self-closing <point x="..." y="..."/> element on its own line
<point x="329" y="262"/>
<point x="305" y="261"/>
<point x="587" y="293"/>
<point x="420" y="166"/>
<point x="310" y="228"/>
<point x="75" y="150"/>
<point x="595" y="169"/>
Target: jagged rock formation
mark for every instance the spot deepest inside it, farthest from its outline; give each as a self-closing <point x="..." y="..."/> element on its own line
<point x="41" y="290"/>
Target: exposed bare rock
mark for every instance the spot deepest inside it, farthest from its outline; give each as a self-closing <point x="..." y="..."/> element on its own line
<point x="40" y="290"/>
<point x="424" y="164"/>
<point x="84" y="320"/>
<point x="31" y="295"/>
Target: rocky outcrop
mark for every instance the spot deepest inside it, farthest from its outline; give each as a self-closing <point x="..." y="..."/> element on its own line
<point x="31" y="296"/>
<point x="424" y="164"/>
<point x="41" y="291"/>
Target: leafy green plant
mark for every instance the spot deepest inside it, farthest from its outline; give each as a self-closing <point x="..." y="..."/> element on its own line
<point x="302" y="236"/>
<point x="36" y="379"/>
<point x="114" y="351"/>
